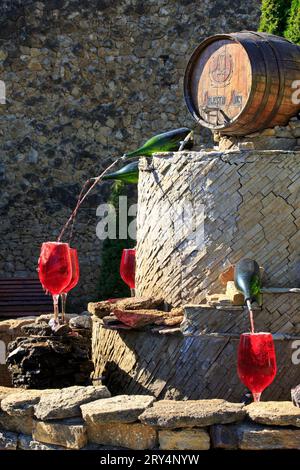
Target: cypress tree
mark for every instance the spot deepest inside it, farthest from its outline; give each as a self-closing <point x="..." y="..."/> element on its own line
<point x="292" y="31"/>
<point x="110" y="283"/>
<point x="274" y="14"/>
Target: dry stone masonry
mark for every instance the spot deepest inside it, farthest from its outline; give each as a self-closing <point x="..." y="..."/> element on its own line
<point x="88" y="418"/>
<point x="276" y="138"/>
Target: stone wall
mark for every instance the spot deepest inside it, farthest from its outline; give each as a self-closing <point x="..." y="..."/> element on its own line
<point x="87" y="80"/>
<point x="88" y="418"/>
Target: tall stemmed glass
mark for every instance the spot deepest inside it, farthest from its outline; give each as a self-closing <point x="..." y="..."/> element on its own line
<point x="55" y="270"/>
<point x="73" y="282"/>
<point x="256" y="362"/>
<point x="127" y="268"/>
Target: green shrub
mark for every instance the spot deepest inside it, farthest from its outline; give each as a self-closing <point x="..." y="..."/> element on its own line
<point x="274" y="14"/>
<point x="292" y="31"/>
<point x="110" y="283"/>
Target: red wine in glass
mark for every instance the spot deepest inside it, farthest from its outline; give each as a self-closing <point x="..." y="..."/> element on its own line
<point x="55" y="270"/>
<point x="256" y="362"/>
<point x="127" y="268"/>
<point x="73" y="282"/>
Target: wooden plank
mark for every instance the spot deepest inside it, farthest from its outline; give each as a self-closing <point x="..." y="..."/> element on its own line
<point x="25" y="308"/>
<point x="21" y="297"/>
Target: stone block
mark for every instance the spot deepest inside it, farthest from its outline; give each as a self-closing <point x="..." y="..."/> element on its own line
<point x="22" y="403"/>
<point x="70" y="433"/>
<point x="8" y="440"/>
<point x="283" y="131"/>
<point x="81" y="321"/>
<point x="122" y="408"/>
<point x="134" y="436"/>
<point x="5" y="392"/>
<point x="65" y="403"/>
<point x="249" y="436"/>
<point x="184" y="439"/>
<point x="190" y="413"/>
<point x="20" y="423"/>
<point x="276" y="413"/>
<point x="26" y="442"/>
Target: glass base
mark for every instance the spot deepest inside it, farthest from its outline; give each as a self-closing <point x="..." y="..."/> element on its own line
<point x="256" y="396"/>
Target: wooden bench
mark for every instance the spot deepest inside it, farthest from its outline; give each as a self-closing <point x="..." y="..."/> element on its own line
<point x="23" y="297"/>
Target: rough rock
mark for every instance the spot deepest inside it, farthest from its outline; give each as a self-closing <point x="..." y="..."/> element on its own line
<point x="46" y="317"/>
<point x="249" y="436"/>
<point x="138" y="318"/>
<point x="295" y="395"/>
<point x="66" y="403"/>
<point x="132" y="436"/>
<point x="26" y="442"/>
<point x="104" y="308"/>
<point x="70" y="433"/>
<point x="190" y="413"/>
<point x="8" y="440"/>
<point x="50" y="362"/>
<point x="14" y="326"/>
<point x="23" y="423"/>
<point x="81" y="321"/>
<point x="170" y="321"/>
<point x="176" y="312"/>
<point x="278" y="138"/>
<point x="4" y="392"/>
<point x="22" y="403"/>
<point x="61" y="330"/>
<point x="184" y="439"/>
<point x="36" y="329"/>
<point x="122" y="408"/>
<point x="276" y="413"/>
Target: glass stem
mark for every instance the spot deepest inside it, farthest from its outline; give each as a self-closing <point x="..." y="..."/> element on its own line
<point x="55" y="307"/>
<point x="256" y="396"/>
<point x="63" y="297"/>
<point x="132" y="292"/>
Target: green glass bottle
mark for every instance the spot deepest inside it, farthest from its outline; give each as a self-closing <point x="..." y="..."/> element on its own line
<point x="128" y="174"/>
<point x="170" y="141"/>
<point x="247" y="279"/>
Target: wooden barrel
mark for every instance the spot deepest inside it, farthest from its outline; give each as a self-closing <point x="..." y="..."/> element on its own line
<point x="243" y="82"/>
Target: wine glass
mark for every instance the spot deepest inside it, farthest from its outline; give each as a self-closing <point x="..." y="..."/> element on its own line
<point x="256" y="362"/>
<point x="127" y="268"/>
<point x="55" y="270"/>
<point x="73" y="282"/>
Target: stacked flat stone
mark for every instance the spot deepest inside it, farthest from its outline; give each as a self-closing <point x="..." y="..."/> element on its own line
<point x="276" y="138"/>
<point x="89" y="418"/>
